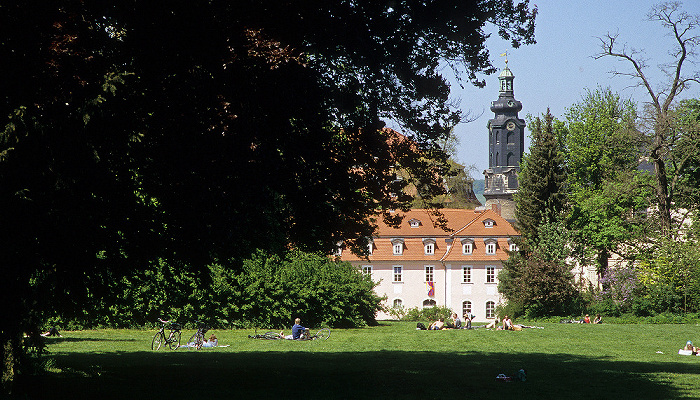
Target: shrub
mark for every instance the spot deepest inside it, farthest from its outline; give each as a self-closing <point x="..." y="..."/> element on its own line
<point x="428" y="314"/>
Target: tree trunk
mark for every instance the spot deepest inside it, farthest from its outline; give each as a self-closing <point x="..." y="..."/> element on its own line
<point x="663" y="199"/>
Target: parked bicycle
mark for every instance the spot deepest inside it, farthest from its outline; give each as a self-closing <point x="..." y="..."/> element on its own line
<point x="173" y="338"/>
<point x="197" y="340"/>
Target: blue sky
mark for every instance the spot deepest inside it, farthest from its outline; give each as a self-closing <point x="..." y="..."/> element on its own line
<point x="556" y="71"/>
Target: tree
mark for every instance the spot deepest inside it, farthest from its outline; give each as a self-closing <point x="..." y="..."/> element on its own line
<point x="541" y="192"/>
<point x="539" y="282"/>
<point x="603" y="151"/>
<point x="658" y="111"/>
<point x="199" y="131"/>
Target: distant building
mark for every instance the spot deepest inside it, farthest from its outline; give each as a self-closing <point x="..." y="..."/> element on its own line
<point x="506" y="148"/>
<point x="420" y="265"/>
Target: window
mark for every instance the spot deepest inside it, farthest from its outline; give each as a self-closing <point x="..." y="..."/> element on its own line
<point x="430" y="249"/>
<point x="429" y="269"/>
<point x="488" y="223"/>
<point x="398" y="248"/>
<point x="467" y="248"/>
<point x="370" y="247"/>
<point x="491" y="248"/>
<point x="466" y="307"/>
<point x="429" y="303"/>
<point x="467" y="274"/>
<point x="398" y="303"/>
<point x="513" y="247"/>
<point x="490" y="274"/>
<point x="397" y="273"/>
<point x="367" y="270"/>
<point x="414" y="223"/>
<point x="490" y="309"/>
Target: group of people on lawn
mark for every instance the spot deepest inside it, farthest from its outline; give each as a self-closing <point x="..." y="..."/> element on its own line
<point x="456" y="323"/>
<point x="506" y="325"/>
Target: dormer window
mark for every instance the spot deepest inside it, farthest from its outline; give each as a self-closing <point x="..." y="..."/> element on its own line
<point x="467" y="246"/>
<point x="512" y="246"/>
<point x="414" y="223"/>
<point x="370" y="247"/>
<point x="490" y="245"/>
<point x="489" y="223"/>
<point x="429" y="246"/>
<point x="397" y="246"/>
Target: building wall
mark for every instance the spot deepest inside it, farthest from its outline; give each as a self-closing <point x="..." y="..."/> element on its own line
<point x="450" y="289"/>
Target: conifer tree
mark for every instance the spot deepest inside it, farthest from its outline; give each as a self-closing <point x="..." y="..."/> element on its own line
<point x="542" y="180"/>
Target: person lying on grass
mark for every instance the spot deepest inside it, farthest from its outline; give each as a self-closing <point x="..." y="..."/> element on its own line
<point x="437" y="325"/>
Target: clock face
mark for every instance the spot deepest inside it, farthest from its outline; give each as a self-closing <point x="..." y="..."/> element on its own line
<point x="511" y="103"/>
<point x="511" y="125"/>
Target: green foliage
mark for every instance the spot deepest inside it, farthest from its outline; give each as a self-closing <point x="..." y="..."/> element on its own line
<point x="274" y="291"/>
<point x="539" y="282"/>
<point x="542" y="180"/>
<point x="430" y="314"/>
<point x="270" y="291"/>
<point x="603" y="148"/>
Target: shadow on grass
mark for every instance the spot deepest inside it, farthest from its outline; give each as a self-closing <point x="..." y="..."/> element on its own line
<point x="382" y="374"/>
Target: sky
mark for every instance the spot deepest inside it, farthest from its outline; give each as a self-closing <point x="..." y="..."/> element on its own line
<point x="557" y="71"/>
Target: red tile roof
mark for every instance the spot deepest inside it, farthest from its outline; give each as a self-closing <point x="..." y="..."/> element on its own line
<point x="463" y="223"/>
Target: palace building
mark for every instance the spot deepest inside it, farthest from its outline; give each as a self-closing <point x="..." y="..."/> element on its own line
<point x="419" y="264"/>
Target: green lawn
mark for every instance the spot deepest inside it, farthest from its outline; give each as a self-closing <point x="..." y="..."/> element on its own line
<point x="393" y="360"/>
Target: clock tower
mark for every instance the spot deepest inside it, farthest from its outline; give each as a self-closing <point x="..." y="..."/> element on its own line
<point x="506" y="148"/>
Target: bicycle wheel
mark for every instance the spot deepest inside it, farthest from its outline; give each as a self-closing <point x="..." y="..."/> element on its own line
<point x="158" y="340"/>
<point x="323" y="334"/>
<point x="273" y="335"/>
<point x="174" y="340"/>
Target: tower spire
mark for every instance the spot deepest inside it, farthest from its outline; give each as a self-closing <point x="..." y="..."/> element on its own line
<point x="506" y="147"/>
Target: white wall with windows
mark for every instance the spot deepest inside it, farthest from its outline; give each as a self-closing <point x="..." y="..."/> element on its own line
<point x="471" y="286"/>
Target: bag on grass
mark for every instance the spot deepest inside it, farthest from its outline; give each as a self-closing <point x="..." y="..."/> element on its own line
<point x="421" y="326"/>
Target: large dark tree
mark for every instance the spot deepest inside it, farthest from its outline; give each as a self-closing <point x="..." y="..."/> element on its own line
<point x="201" y="130"/>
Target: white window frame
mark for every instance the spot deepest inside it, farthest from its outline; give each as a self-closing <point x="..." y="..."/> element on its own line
<point x="466" y="310"/>
<point x="513" y="247"/>
<point x="370" y="247"/>
<point x="397" y="303"/>
<point x="467" y="248"/>
<point x="431" y="303"/>
<point x="367" y="270"/>
<point x="398" y="248"/>
<point x="429" y="273"/>
<point x="398" y="273"/>
<point x="467" y="273"/>
<point x="490" y="309"/>
<point x="490" y="274"/>
<point x="429" y="249"/>
<point x="488" y="223"/>
<point x="491" y="248"/>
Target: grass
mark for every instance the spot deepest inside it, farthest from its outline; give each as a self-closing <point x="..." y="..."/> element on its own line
<point x="393" y="360"/>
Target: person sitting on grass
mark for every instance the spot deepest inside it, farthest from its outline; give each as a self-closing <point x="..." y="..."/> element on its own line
<point x="507" y="324"/>
<point x="437" y="325"/>
<point x="456" y="322"/>
<point x="597" y="319"/>
<point x="297" y="331"/>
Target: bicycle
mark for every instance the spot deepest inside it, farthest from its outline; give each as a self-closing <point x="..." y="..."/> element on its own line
<point x="322" y="334"/>
<point x="197" y="340"/>
<point x="173" y="339"/>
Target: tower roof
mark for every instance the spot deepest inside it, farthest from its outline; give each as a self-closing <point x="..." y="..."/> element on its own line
<point x="506" y="73"/>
